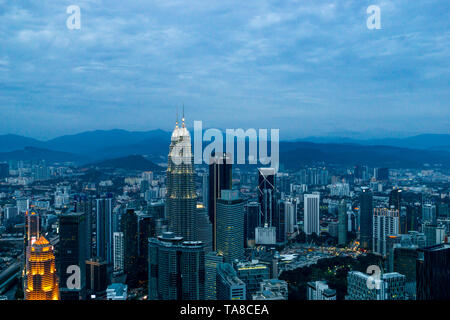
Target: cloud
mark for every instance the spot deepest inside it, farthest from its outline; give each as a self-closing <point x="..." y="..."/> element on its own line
<point x="305" y="66"/>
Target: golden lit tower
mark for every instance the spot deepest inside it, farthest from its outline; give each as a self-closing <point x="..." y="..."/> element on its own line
<point x="41" y="281"/>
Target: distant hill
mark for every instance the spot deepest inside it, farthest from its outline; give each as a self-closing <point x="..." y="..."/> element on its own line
<point x="36" y="154"/>
<point x="295" y="154"/>
<point x="101" y="141"/>
<point x="134" y="162"/>
<point x="103" y="145"/>
<point x="423" y="141"/>
<point x="12" y="142"/>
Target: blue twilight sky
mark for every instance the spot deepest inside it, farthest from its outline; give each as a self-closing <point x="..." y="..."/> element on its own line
<point x="308" y="67"/>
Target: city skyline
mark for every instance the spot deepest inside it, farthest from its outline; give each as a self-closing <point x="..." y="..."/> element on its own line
<point x="225" y="154"/>
<point x="311" y="68"/>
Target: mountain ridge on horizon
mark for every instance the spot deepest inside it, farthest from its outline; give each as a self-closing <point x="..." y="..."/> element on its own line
<point x="100" y="145"/>
<point x="312" y="138"/>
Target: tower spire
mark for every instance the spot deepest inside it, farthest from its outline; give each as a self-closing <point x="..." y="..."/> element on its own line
<point x="182" y="119"/>
<point x="176" y="122"/>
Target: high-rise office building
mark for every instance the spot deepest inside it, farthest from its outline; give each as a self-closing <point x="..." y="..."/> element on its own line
<point x="97" y="278"/>
<point x="41" y="280"/>
<point x="433" y="273"/>
<point x="267" y="195"/>
<point x="32" y="227"/>
<point x="181" y="199"/>
<point x="72" y="251"/>
<point x="212" y="260"/>
<point x="84" y="203"/>
<point x="176" y="268"/>
<point x="252" y="220"/>
<point x="395" y="198"/>
<point x="342" y="223"/>
<point x="442" y="210"/>
<point x="23" y="204"/>
<point x="386" y="222"/>
<point x="104" y="229"/>
<point x="283" y="219"/>
<point x="146" y="228"/>
<point x="230" y="225"/>
<point x="204" y="227"/>
<point x="4" y="170"/>
<point x="413" y="212"/>
<point x="205" y="190"/>
<point x="229" y="286"/>
<point x="311" y="220"/>
<point x="118" y="252"/>
<point x="366" y="218"/>
<point x="405" y="263"/>
<point x="435" y="234"/>
<point x="130" y="236"/>
<point x="429" y="213"/>
<point x="381" y="174"/>
<point x="220" y="178"/>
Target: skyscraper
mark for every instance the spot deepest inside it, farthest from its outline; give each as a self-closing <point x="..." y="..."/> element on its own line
<point x="395" y="198"/>
<point x="205" y="190"/>
<point x="212" y="260"/>
<point x="267" y="194"/>
<point x="429" y="213"/>
<point x="104" y="229"/>
<point x="433" y="273"/>
<point x="366" y="218"/>
<point x="230" y="225"/>
<point x="220" y="178"/>
<point x="386" y="222"/>
<point x="405" y="263"/>
<point x="130" y="235"/>
<point x="32" y="226"/>
<point x="343" y="223"/>
<point x="4" y="170"/>
<point x="84" y="203"/>
<point x="204" y="227"/>
<point x="283" y="214"/>
<point x="181" y="199"/>
<point x="311" y="220"/>
<point x="96" y="277"/>
<point x="434" y="234"/>
<point x="72" y="251"/>
<point x="41" y="281"/>
<point x="176" y="268"/>
<point x="118" y="249"/>
<point x="252" y="220"/>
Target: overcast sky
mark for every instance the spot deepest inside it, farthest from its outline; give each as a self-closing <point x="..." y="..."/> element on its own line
<point x="308" y="67"/>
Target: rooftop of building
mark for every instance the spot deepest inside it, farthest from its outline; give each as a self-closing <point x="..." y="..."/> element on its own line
<point x="438" y="247"/>
<point x="119" y="288"/>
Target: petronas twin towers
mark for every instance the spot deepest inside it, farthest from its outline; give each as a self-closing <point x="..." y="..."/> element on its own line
<point x="181" y="199"/>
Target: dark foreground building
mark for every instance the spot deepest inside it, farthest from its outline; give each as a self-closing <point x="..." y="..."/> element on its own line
<point x="433" y="273"/>
<point x="176" y="268"/>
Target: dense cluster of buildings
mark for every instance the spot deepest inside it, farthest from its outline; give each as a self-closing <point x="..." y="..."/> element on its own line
<point x="216" y="231"/>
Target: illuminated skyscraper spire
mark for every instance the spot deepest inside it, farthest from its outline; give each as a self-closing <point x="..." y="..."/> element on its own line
<point x="181" y="198"/>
